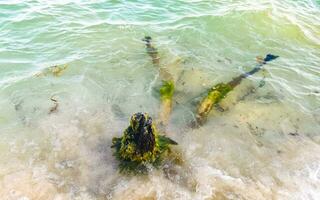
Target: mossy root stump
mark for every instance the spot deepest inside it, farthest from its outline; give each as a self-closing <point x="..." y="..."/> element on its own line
<point x="219" y="91"/>
<point x="141" y="145"/>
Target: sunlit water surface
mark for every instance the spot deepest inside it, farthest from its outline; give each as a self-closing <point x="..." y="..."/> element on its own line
<point x="265" y="145"/>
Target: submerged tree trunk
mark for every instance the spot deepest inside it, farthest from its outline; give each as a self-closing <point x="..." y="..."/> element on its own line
<point x="167" y="89"/>
<point x="219" y="91"/>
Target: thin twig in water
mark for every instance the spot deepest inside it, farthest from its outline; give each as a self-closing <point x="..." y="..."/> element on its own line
<point x="55" y="107"/>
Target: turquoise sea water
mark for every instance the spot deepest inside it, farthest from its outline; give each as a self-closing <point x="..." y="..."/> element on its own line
<point x="265" y="145"/>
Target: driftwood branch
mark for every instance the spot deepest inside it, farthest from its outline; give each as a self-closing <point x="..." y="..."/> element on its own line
<point x="219" y="91"/>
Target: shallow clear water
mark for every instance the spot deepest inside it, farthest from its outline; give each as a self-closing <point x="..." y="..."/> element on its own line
<point x="265" y="145"/>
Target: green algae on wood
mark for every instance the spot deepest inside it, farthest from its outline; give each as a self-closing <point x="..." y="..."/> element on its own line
<point x="166" y="96"/>
<point x="167" y="90"/>
<point x="220" y="91"/>
<point x="214" y="96"/>
<point x="140" y="145"/>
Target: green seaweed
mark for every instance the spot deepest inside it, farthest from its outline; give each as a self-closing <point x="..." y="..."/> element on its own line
<point x="218" y="92"/>
<point x="166" y="95"/>
<point x="167" y="90"/>
<point x="140" y="145"/>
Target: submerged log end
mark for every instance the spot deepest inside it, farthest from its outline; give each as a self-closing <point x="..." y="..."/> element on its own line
<point x="147" y="39"/>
